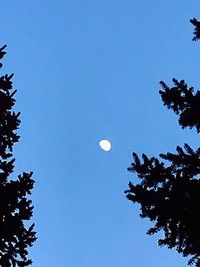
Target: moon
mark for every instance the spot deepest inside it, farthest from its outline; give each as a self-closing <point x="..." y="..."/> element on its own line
<point x="105" y="145"/>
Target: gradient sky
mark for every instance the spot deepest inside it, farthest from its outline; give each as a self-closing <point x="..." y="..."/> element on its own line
<point x="87" y="70"/>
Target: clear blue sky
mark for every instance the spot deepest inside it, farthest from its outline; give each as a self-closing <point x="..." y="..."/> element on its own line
<point x="87" y="70"/>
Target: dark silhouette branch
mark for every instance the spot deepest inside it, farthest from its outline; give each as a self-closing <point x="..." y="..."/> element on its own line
<point x="196" y="32"/>
<point x="169" y="187"/>
<point x="15" y="207"/>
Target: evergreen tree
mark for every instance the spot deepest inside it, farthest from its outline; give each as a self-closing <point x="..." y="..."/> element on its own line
<point x="169" y="187"/>
<point x="15" y="207"/>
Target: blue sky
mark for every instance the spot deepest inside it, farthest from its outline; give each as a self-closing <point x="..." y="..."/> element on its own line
<point x="87" y="70"/>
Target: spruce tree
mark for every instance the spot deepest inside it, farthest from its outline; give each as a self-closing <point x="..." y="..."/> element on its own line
<point x="15" y="206"/>
<point x="169" y="187"/>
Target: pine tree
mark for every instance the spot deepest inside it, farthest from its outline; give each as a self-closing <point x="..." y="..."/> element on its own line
<point x="15" y="207"/>
<point x="169" y="191"/>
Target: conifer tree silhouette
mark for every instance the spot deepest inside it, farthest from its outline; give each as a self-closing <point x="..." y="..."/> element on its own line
<point x="15" y="207"/>
<point x="169" y="191"/>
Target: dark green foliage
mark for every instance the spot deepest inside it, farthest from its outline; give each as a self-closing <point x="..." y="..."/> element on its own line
<point x="169" y="187"/>
<point x="15" y="207"/>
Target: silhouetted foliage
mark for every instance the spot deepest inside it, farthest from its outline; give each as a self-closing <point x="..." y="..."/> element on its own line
<point x="169" y="187"/>
<point x="196" y="23"/>
<point x="15" y="207"/>
<point x="183" y="102"/>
